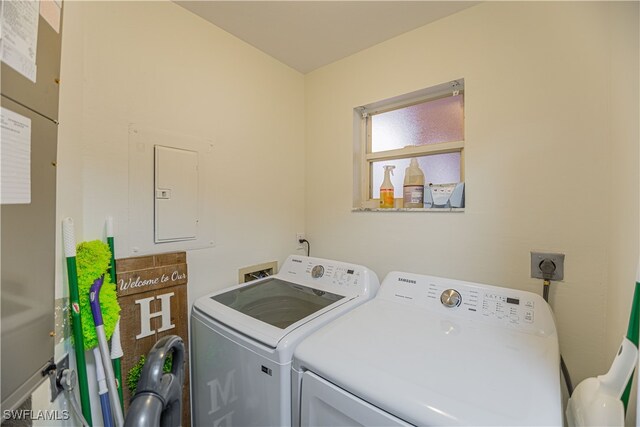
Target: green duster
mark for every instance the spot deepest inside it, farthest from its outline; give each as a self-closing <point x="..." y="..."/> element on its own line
<point x="93" y="259"/>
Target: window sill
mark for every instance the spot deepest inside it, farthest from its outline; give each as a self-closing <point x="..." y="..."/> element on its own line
<point x="408" y="210"/>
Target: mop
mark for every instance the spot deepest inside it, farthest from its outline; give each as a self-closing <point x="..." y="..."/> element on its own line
<point x="94" y="297"/>
<point x="76" y="318"/>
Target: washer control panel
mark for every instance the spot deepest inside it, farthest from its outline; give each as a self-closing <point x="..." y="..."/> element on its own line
<point x="333" y="276"/>
<point x="512" y="307"/>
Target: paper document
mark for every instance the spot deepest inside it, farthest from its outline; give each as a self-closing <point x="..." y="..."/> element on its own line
<point x="15" y="158"/>
<point x="19" y="36"/>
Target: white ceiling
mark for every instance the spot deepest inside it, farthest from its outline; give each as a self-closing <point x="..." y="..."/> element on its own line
<point x="309" y="34"/>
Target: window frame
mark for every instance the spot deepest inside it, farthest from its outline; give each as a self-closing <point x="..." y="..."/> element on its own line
<point x="363" y="147"/>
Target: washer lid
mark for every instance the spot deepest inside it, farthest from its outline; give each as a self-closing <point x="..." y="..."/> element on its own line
<point x="434" y="369"/>
<point x="267" y="310"/>
<point x="277" y="302"/>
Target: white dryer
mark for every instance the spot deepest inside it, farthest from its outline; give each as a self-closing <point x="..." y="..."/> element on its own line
<point x="432" y="351"/>
<point x="243" y="338"/>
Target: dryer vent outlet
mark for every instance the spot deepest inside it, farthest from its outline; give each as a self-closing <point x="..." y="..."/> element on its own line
<point x="258" y="271"/>
<point x="547" y="266"/>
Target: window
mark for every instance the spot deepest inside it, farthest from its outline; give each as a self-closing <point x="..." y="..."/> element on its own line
<point x="427" y="125"/>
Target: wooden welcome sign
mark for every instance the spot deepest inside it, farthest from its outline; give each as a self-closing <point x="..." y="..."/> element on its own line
<point x="152" y="292"/>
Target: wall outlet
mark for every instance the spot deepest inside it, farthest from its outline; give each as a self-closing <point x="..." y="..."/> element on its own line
<point x="299" y="236"/>
<point x="541" y="261"/>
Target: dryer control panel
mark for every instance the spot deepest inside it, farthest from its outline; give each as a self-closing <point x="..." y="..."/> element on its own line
<point x="504" y="306"/>
<point x="335" y="276"/>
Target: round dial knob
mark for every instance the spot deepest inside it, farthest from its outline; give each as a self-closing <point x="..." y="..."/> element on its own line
<point x="451" y="298"/>
<point x="317" y="271"/>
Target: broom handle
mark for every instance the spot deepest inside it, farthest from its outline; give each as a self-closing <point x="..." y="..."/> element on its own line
<point x="633" y="334"/>
<point x="116" y="347"/>
<point x="94" y="301"/>
<point x="81" y="366"/>
<point x="112" y="267"/>
<point x="103" y="390"/>
<point x="116" y="354"/>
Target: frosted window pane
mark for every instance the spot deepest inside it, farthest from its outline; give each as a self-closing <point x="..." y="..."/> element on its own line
<point x="431" y="122"/>
<point x="437" y="169"/>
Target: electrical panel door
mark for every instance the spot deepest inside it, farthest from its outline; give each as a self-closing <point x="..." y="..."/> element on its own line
<point x="176" y="194"/>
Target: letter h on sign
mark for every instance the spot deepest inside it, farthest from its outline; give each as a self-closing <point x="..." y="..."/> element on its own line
<point x="146" y="315"/>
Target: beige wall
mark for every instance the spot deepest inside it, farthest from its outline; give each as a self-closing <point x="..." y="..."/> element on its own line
<point x="159" y="66"/>
<point x="624" y="145"/>
<point x="539" y="168"/>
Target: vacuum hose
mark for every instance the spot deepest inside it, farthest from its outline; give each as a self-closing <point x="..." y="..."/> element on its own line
<point x="158" y="398"/>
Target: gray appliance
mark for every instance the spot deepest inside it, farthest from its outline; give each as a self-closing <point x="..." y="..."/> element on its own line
<point x="243" y="338"/>
<point x="28" y="229"/>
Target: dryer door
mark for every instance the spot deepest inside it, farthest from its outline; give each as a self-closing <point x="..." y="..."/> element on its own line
<point x="324" y="404"/>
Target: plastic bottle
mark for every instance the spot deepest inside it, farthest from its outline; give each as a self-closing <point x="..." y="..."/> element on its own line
<point x="413" y="186"/>
<point x="386" y="189"/>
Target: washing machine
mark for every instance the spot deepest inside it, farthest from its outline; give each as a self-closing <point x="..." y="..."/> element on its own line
<point x="243" y="338"/>
<point x="432" y="351"/>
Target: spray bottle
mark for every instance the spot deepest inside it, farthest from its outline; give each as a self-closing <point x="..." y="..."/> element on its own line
<point x="413" y="186"/>
<point x="386" y="189"/>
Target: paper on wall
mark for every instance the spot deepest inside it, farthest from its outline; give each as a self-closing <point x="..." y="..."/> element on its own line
<point x="19" y="36"/>
<point x="50" y="10"/>
<point x="15" y="158"/>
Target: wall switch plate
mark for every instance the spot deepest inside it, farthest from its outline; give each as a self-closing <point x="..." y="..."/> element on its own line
<point x="538" y="257"/>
